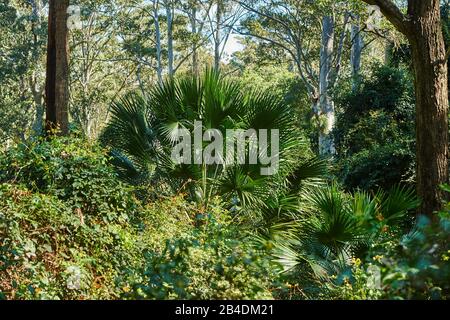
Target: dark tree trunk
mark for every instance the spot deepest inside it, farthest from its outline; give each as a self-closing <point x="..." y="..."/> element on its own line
<point x="57" y="83"/>
<point x="422" y="27"/>
<point x="430" y="67"/>
<point x="218" y="39"/>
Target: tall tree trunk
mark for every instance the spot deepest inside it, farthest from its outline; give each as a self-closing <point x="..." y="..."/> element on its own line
<point x="36" y="89"/>
<point x="357" y="46"/>
<point x="169" y="12"/>
<point x="326" y="143"/>
<point x="430" y="66"/>
<point x="57" y="82"/>
<point x="40" y="110"/>
<point x="195" y="69"/>
<point x="217" y="38"/>
<point x="159" y="67"/>
<point x="422" y="27"/>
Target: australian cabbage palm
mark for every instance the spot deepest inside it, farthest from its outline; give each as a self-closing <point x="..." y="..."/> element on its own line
<point x="143" y="131"/>
<point x="335" y="226"/>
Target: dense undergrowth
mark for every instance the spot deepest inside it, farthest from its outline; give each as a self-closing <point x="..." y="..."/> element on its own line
<point x="70" y="229"/>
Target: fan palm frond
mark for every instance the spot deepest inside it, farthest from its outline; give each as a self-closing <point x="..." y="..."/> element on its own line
<point x="395" y="204"/>
<point x="143" y="131"/>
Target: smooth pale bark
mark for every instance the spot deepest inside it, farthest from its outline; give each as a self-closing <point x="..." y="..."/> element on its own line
<point x="57" y="82"/>
<point x="326" y="143"/>
<point x="318" y="84"/>
<point x="193" y="19"/>
<point x="159" y="67"/>
<point x="356" y="52"/>
<point x="170" y="54"/>
<point x="38" y="125"/>
<point x="422" y="27"/>
<point x="36" y="89"/>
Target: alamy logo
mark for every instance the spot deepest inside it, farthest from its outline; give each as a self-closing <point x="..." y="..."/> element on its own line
<point x="237" y="147"/>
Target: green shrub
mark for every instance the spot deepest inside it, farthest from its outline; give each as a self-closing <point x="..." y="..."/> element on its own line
<point x="143" y="131"/>
<point x="415" y="265"/>
<point x="419" y="266"/>
<point x="73" y="171"/>
<point x="375" y="130"/>
<point x="47" y="251"/>
<point x="211" y="262"/>
<point x="69" y="229"/>
<point x="322" y="250"/>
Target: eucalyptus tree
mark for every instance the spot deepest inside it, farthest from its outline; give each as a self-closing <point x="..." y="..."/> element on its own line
<point x="357" y="46"/>
<point x="99" y="68"/>
<point x="36" y="83"/>
<point x="158" y="43"/>
<point x="175" y="33"/>
<point x="22" y="70"/>
<point x="294" y="26"/>
<point x="197" y="12"/>
<point x="221" y="20"/>
<point x="170" y="8"/>
<point x="13" y="73"/>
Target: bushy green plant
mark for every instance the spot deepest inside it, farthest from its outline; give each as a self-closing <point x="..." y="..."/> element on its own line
<point x="48" y="251"/>
<point x="412" y="266"/>
<point x="59" y="241"/>
<point x="375" y="130"/>
<point x="335" y="229"/>
<point x="67" y="225"/>
<point x="397" y="264"/>
<point x="72" y="170"/>
<point x="418" y="266"/>
<point x="214" y="261"/>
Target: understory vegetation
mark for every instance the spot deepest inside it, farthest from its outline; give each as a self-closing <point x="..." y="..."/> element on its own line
<point x="84" y="221"/>
<point x="336" y="185"/>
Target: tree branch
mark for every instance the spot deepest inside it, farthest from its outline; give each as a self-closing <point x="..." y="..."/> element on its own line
<point x="393" y="14"/>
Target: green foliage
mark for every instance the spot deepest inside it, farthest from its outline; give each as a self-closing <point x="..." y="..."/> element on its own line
<point x="47" y="251"/>
<point x="143" y="132"/>
<point x="59" y="240"/>
<point x="375" y="131"/>
<point x="69" y="229"/>
<point x="400" y="262"/>
<point x="358" y="282"/>
<point x="418" y="266"/>
<point x="21" y="50"/>
<point x="71" y="170"/>
<point x="66" y="222"/>
<point x="81" y="222"/>
<point x="335" y="228"/>
<point x="214" y="261"/>
<point x="281" y="81"/>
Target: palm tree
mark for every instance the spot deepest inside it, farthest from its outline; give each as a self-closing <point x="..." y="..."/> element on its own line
<point x="334" y="227"/>
<point x="143" y="131"/>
